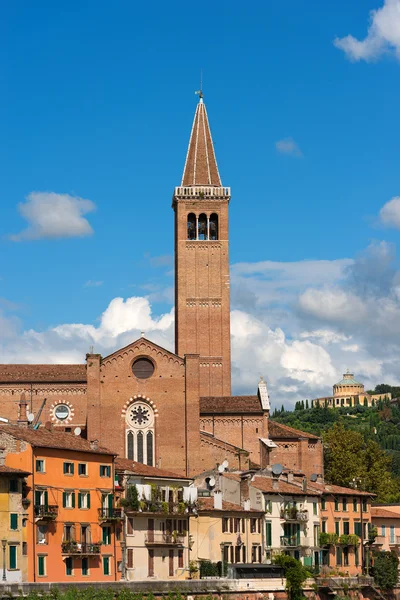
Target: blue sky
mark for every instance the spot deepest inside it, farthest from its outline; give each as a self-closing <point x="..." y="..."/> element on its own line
<point x="97" y="101"/>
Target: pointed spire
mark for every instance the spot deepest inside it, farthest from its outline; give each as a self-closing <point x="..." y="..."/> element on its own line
<point x="201" y="165"/>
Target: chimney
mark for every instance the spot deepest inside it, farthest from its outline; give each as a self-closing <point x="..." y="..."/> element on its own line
<point x="218" y="500"/>
<point x="290" y="477"/>
<point x="94" y="445"/>
<point x="275" y="484"/>
<point x="304" y="484"/>
<point x="244" y="488"/>
<point x="246" y="504"/>
<point x="263" y="394"/>
<point x="23" y="411"/>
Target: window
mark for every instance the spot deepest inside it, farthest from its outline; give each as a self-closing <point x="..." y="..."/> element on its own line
<point x="140" y="432"/>
<point x="130" y="443"/>
<point x="191" y="227"/>
<point x="315" y="508"/>
<point x="140" y="447"/>
<point x="106" y="565"/>
<point x="68" y="468"/>
<point x="338" y="556"/>
<point x="69" y="499"/>
<point x="13" y="485"/>
<point x="106" y="536"/>
<point x="355" y="505"/>
<point x="40" y="466"/>
<point x="105" y="471"/>
<point x="365" y="505"/>
<point x="255" y="525"/>
<point x="254" y="553"/>
<point x="237" y="554"/>
<point x="14" y="521"/>
<point x="149" y="442"/>
<point x="337" y="527"/>
<point x="336" y="504"/>
<point x="180" y="559"/>
<point x="129" y="526"/>
<point x="12" y="557"/>
<point x="41" y="498"/>
<point x="68" y="533"/>
<point x="268" y="533"/>
<point x="391" y="538"/>
<point x="68" y="566"/>
<point x="225" y="525"/>
<point x="213" y="226"/>
<point x="356" y="556"/>
<point x="82" y="469"/>
<point x="346" y="527"/>
<point x="24" y="548"/>
<point x="42" y="566"/>
<point x="268" y="506"/>
<point x="344" y="504"/>
<point x="85" y="566"/>
<point x="323" y="503"/>
<point x="202" y="233"/>
<point x="237" y="525"/>
<point x="130" y="558"/>
<point x="383" y="531"/>
<point x="357" y="528"/>
<point x="323" y="526"/>
<point x="41" y="534"/>
<point x="346" y="556"/>
<point x="83" y="499"/>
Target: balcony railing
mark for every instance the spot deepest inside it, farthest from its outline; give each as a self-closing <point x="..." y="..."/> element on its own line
<point x="290" y="540"/>
<point x="110" y="514"/>
<point x="292" y="514"/>
<point x="164" y="539"/>
<point x="202" y="192"/>
<point x="340" y="582"/>
<point x="73" y="548"/>
<point x="46" y="512"/>
<point x="164" y="508"/>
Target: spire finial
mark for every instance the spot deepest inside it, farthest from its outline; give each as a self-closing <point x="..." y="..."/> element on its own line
<point x="200" y="91"/>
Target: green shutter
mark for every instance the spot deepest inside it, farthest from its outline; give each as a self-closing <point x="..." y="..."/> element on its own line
<point x="73" y="499"/>
<point x="64" y="499"/>
<point x="357" y="528"/>
<point x="85" y="568"/>
<point x="106" y="565"/>
<point x="72" y="468"/>
<point x="268" y="533"/>
<point x="68" y="566"/>
<point x="88" y="499"/>
<point x="41" y="565"/>
<point x="37" y="498"/>
<point x="105" y="536"/>
<point x="110" y="501"/>
<point x="65" y="468"/>
<point x="13" y="521"/>
<point x="79" y="500"/>
<point x="46" y="498"/>
<point x="13" y="557"/>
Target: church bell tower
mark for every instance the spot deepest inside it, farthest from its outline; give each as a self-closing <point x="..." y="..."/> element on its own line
<point x="202" y="298"/>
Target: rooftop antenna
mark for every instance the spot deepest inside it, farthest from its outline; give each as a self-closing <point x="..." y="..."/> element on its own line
<point x="200" y="91"/>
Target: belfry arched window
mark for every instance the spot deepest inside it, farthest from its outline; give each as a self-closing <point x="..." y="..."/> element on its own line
<point x="213" y="226"/>
<point x="202" y="227"/>
<point x="191" y="227"/>
<point x="140" y="433"/>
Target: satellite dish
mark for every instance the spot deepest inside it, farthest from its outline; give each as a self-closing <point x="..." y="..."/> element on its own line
<point x="77" y="431"/>
<point x="313" y="477"/>
<point x="221" y="468"/>
<point x="211" y="482"/>
<point x="226" y="464"/>
<point x="277" y="469"/>
<point x="30" y="417"/>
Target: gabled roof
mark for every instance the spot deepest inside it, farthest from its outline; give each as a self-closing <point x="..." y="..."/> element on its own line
<point x="42" y="438"/>
<point x="135" y="468"/>
<point x="138" y="341"/>
<point x="384" y="513"/>
<point x="42" y="373"/>
<point x="270" y="485"/>
<point x="207" y="505"/>
<point x="328" y="488"/>
<point x="230" y="404"/>
<point x="5" y="470"/>
<point x="201" y="165"/>
<point x="277" y="430"/>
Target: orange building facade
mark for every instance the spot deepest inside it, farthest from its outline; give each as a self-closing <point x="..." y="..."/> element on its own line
<point x="73" y="530"/>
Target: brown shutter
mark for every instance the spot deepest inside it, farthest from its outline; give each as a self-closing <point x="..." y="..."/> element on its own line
<point x="151" y="563"/>
<point x="129" y="526"/>
<point x="180" y="559"/>
<point x="130" y="558"/>
<point x="171" y="563"/>
<point x="150" y="532"/>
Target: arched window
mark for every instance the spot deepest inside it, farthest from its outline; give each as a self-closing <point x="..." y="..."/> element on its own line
<point x="202" y="228"/>
<point x="130" y="440"/>
<point x="140" y="447"/>
<point x="191" y="226"/>
<point x="214" y="227"/>
<point x="149" y="442"/>
<point x="140" y="432"/>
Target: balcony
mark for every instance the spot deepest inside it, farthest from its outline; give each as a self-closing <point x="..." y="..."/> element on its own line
<point x="163" y="508"/>
<point x="164" y="539"/>
<point x="293" y="514"/>
<point x="290" y="541"/>
<point x="202" y="192"/>
<point x="73" y="548"/>
<point x="110" y="514"/>
<point x="379" y="540"/>
<point x="45" y="512"/>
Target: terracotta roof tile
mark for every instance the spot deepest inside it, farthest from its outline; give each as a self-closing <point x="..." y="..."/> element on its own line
<point x="42" y="438"/>
<point x="124" y="464"/>
<point x="201" y="165"/>
<point x="230" y="404"/>
<point x="277" y="486"/>
<point x="384" y="513"/>
<point x="5" y="470"/>
<point x="328" y="488"/>
<point x="42" y="373"/>
<point x="207" y="505"/>
<point x="221" y="443"/>
<point x="278" y="430"/>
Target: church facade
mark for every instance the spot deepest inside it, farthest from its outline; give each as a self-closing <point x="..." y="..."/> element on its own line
<point x="171" y="410"/>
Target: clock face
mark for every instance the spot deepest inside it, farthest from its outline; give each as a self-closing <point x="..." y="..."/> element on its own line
<point x="140" y="416"/>
<point x="62" y="412"/>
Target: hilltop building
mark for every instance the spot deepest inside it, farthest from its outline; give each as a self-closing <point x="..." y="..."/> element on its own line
<point x="349" y="392"/>
<point x="171" y="410"/>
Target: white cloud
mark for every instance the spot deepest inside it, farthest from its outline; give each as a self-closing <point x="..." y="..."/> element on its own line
<point x="389" y="214"/>
<point x="383" y="35"/>
<point x="288" y="146"/>
<point x="332" y="304"/>
<point x="51" y="216"/>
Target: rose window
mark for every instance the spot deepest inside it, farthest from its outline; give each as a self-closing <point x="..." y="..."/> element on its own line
<point x="139" y="415"/>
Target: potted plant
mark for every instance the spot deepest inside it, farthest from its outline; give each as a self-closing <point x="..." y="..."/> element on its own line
<point x="193" y="569"/>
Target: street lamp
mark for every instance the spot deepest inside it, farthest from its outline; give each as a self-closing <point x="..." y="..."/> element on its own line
<point x="4" y="544"/>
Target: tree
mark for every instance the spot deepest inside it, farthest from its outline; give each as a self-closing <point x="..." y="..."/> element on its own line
<point x="295" y="573"/>
<point x="307" y="404"/>
<point x="386" y="570"/>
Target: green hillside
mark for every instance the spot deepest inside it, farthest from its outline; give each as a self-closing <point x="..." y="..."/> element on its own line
<point x="371" y="435"/>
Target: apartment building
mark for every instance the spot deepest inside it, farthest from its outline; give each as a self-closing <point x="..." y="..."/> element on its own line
<point x="73" y="530"/>
<point x="386" y="527"/>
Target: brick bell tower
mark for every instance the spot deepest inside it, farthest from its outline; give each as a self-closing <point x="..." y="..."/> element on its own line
<point x="202" y="298"/>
